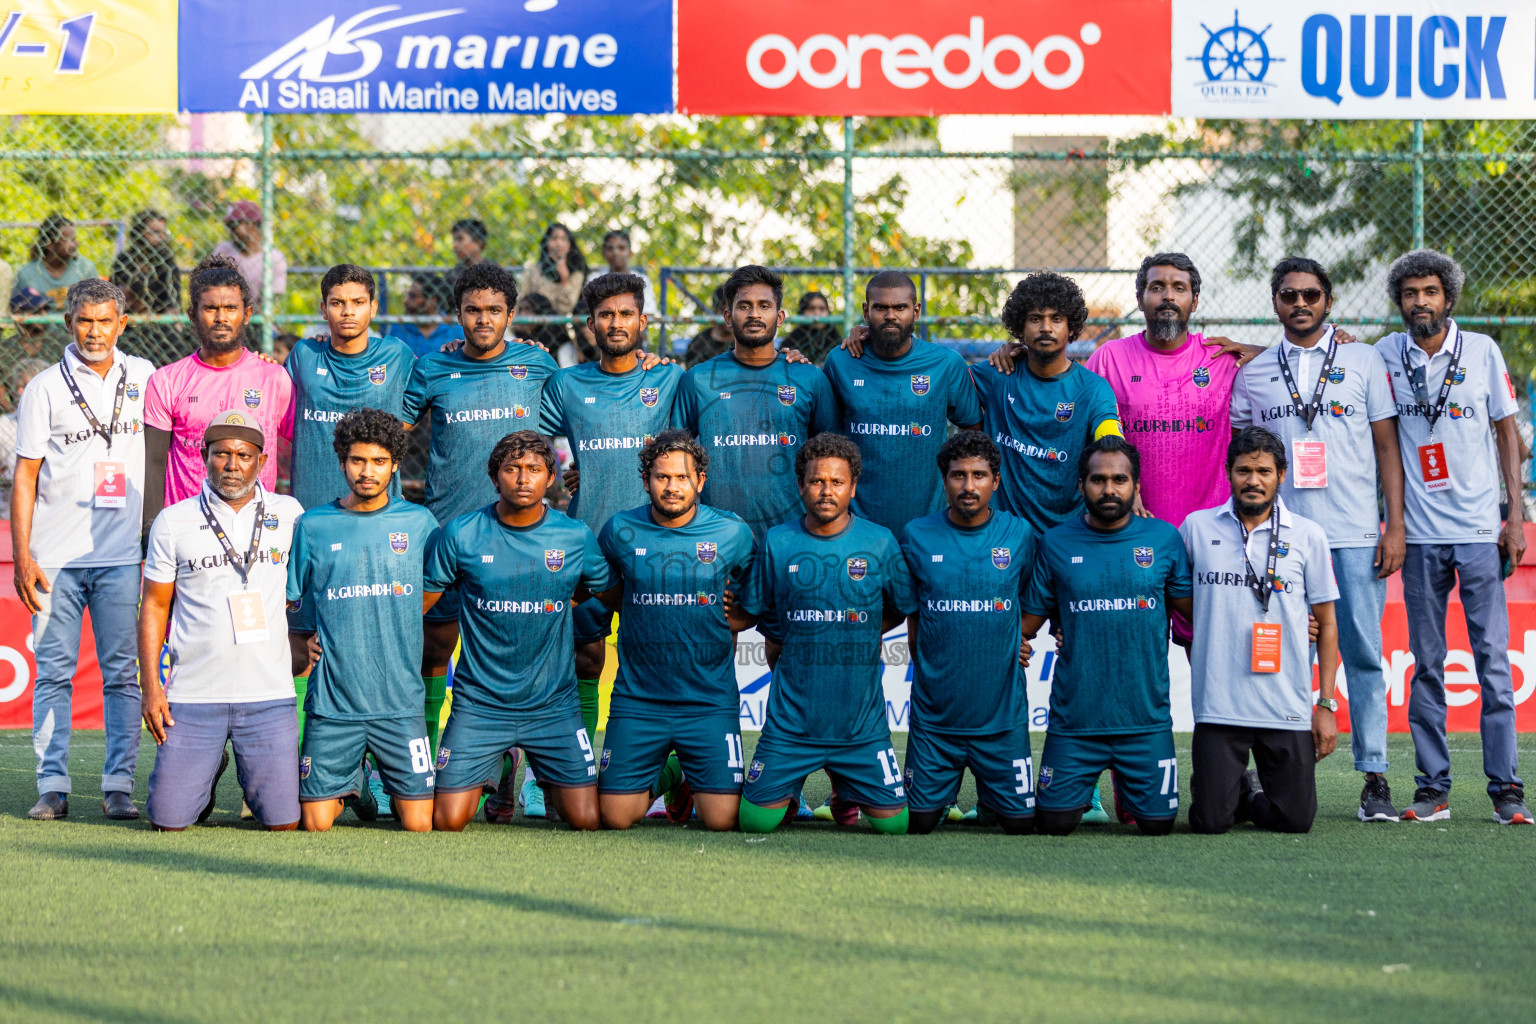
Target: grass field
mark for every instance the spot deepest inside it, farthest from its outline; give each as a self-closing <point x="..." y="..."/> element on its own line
<point x="106" y="921"/>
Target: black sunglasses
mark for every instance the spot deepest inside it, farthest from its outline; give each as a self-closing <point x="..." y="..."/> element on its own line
<point x="1310" y="296"/>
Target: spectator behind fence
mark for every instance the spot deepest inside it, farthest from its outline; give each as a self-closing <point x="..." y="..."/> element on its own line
<point x="56" y="262"/>
<point x="79" y="492"/>
<point x="559" y="273"/>
<point x="146" y="270"/>
<point x="429" y="295"/>
<point x="30" y="341"/>
<point x="583" y="349"/>
<point x="617" y="252"/>
<point x="469" y="238"/>
<point x="815" y="341"/>
<point x="714" y="339"/>
<point x="244" y="247"/>
<point x="549" y="337"/>
<point x="15" y="383"/>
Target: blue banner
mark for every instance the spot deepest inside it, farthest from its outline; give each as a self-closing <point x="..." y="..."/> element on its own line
<point x="469" y="56"/>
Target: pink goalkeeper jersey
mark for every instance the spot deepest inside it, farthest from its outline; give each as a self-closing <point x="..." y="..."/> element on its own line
<point x="1175" y="407"/>
<point x="185" y="396"/>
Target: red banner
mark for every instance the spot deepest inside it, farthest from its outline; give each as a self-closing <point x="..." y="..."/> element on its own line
<point x="923" y="57"/>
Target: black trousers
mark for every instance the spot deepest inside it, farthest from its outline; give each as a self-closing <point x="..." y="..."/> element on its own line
<point x="1287" y="764"/>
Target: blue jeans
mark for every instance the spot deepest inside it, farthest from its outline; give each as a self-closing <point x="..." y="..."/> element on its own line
<point x="265" y="735"/>
<point x="1362" y="600"/>
<point x="1429" y="572"/>
<point x="112" y="595"/>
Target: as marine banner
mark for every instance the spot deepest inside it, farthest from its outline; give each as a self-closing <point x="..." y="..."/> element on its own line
<point x="469" y="56"/>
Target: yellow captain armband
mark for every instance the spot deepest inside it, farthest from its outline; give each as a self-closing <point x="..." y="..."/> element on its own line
<point x="1106" y="428"/>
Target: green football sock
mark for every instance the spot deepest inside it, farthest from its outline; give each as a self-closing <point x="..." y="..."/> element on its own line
<point x="892" y="826"/>
<point x="671" y="775"/>
<point x="437" y="687"/>
<point x="300" y="688"/>
<point x="753" y="818"/>
<point x="586" y="692"/>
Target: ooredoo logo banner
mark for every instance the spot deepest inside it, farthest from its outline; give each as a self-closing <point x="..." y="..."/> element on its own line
<point x="923" y="57"/>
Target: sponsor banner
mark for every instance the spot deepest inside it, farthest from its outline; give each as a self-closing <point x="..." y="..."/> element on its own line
<point x="71" y="57"/>
<point x="1372" y="59"/>
<point x="475" y="56"/>
<point x="922" y="57"/>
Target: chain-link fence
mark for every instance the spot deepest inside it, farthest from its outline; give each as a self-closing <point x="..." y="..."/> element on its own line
<point x="829" y="200"/>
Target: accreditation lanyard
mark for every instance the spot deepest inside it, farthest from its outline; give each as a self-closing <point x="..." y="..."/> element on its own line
<point x="243" y="568"/>
<point x="1432" y="413"/>
<point x="1308" y="412"/>
<point x="117" y="403"/>
<point x="1262" y="587"/>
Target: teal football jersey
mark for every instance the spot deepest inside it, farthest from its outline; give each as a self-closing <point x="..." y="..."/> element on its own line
<point x="356" y="581"/>
<point x="676" y="650"/>
<point x="752" y="421"/>
<point x="473" y="403"/>
<point x="1109" y="590"/>
<point x="326" y="386"/>
<point x="897" y="411"/>
<point x="828" y="594"/>
<point x="1042" y="426"/>
<point x="515" y="586"/>
<point x="608" y="418"/>
<point x="966" y="678"/>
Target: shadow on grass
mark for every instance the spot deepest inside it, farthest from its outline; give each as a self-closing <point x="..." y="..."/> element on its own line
<point x="30" y="1004"/>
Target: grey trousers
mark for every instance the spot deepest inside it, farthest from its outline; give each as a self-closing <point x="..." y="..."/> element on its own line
<point x="1429" y="572"/>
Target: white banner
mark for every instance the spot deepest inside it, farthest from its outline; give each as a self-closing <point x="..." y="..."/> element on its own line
<point x="1369" y="59"/>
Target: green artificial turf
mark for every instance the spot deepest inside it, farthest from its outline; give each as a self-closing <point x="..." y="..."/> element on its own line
<point x="107" y="921"/>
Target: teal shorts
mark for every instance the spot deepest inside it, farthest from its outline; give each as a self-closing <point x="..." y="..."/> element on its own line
<point x="866" y="774"/>
<point x="1142" y="766"/>
<point x="708" y="747"/>
<point x="470" y="752"/>
<point x="1000" y="763"/>
<point x="331" y="759"/>
<point x="591" y="620"/>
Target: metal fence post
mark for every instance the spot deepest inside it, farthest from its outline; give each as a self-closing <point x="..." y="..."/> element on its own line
<point x="267" y="216"/>
<point x="848" y="226"/>
<point x="1418" y="184"/>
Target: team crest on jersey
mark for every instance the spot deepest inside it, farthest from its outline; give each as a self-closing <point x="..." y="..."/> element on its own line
<point x="1001" y="557"/>
<point x="1202" y="376"/>
<point x="649" y="396"/>
<point x="706" y="551"/>
<point x="442" y="758"/>
<point x="857" y="568"/>
<point x="1460" y="376"/>
<point x="399" y="543"/>
<point x="607" y="756"/>
<point x="304" y="767"/>
<point x="919" y="383"/>
<point x="754" y="771"/>
<point x="253" y="397"/>
<point x="786" y="394"/>
<point x="1064" y="411"/>
<point x="132" y="392"/>
<point x="269" y="521"/>
<point x="518" y="372"/>
<point x="1282" y="548"/>
<point x="376" y="374"/>
<point x="1143" y="557"/>
<point x="554" y="558"/>
<point x="1336" y="375"/>
<point x="1044" y="781"/>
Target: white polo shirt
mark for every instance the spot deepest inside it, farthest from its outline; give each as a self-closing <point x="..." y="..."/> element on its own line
<point x="1224" y="689"/>
<point x="68" y="530"/>
<point x="1467" y="512"/>
<point x="1357" y="394"/>
<point x="207" y="666"/>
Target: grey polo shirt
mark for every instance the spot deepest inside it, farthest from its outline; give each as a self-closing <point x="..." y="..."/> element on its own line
<point x="1357" y="394"/>
<point x="1224" y="689"/>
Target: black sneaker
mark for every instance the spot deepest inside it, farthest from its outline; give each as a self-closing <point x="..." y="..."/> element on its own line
<point x="213" y="791"/>
<point x="1509" y="806"/>
<point x="1376" y="799"/>
<point x="1247" y="786"/>
<point x="1428" y="805"/>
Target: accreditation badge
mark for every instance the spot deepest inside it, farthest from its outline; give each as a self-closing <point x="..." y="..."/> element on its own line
<point x="248" y="617"/>
<point x="1434" y="472"/>
<point x="111" y="485"/>
<point x="1266" y="647"/>
<point x="1309" y="463"/>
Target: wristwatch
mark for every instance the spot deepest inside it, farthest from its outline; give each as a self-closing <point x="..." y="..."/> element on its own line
<point x="1328" y="702"/>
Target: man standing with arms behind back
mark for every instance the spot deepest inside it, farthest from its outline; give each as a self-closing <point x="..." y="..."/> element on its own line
<point x="1449" y="385"/>
<point x="75" y="515"/>
<point x="1331" y="405"/>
